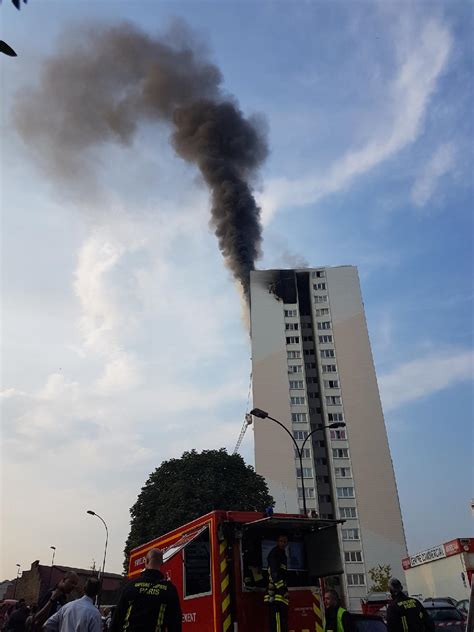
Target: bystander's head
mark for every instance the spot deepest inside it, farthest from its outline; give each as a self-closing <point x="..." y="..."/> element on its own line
<point x="92" y="587"/>
<point x="68" y="583"/>
<point x="331" y="599"/>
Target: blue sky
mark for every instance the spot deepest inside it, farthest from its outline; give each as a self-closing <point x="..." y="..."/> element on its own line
<point x="123" y="341"/>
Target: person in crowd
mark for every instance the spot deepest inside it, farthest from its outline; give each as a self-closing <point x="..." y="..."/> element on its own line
<point x="17" y="620"/>
<point x="31" y="617"/>
<point x="149" y="603"/>
<point x="55" y="598"/>
<point x="336" y="617"/>
<point x="406" y="614"/>
<point x="80" y="615"/>
<point x="108" y="619"/>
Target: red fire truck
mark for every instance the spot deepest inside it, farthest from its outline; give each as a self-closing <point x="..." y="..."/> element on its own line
<point x="218" y="564"/>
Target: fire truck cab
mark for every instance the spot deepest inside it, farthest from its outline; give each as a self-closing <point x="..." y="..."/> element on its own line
<point x="218" y="564"/>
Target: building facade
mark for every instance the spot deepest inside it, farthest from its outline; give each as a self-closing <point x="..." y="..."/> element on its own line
<point x="446" y="569"/>
<point x="34" y="583"/>
<point x="312" y="365"/>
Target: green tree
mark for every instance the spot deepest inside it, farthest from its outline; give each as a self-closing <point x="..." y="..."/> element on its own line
<point x="380" y="575"/>
<point x="183" y="489"/>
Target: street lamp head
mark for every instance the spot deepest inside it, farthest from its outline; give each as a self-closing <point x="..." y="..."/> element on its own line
<point x="257" y="412"/>
<point x="18" y="565"/>
<point x="92" y="513"/>
<point x="337" y="424"/>
<point x="53" y="547"/>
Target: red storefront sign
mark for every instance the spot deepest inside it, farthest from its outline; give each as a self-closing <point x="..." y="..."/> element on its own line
<point x="453" y="547"/>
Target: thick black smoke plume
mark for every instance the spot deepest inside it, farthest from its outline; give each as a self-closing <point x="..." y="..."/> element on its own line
<point x="103" y="82"/>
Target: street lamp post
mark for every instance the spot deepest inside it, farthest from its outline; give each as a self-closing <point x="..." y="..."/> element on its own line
<point x="16" y="580"/>
<point x="101" y="572"/>
<point x="262" y="414"/>
<point x="52" y="564"/>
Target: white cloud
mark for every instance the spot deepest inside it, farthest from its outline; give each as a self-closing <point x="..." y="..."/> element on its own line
<point x="160" y="367"/>
<point x="103" y="322"/>
<point x="439" y="165"/>
<point x="425" y="376"/>
<point x="422" y="60"/>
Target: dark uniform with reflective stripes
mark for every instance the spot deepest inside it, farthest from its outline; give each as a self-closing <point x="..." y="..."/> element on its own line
<point x="405" y="614"/>
<point x="149" y="603"/>
<point x="277" y="592"/>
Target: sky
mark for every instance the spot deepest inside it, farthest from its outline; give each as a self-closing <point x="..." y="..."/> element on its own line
<point x="123" y="336"/>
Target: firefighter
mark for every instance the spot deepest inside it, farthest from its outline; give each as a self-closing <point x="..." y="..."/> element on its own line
<point x="337" y="619"/>
<point x="149" y="603"/>
<point x="277" y="595"/>
<point x="406" y="614"/>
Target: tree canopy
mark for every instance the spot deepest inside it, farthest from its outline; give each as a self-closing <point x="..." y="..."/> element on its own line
<point x="380" y="575"/>
<point x="180" y="490"/>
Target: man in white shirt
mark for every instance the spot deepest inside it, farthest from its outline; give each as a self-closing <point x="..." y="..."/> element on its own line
<point x="80" y="615"/>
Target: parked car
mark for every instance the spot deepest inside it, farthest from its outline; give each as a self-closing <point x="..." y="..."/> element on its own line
<point x="450" y="600"/>
<point x="463" y="606"/>
<point x="444" y="614"/>
<point x="367" y="623"/>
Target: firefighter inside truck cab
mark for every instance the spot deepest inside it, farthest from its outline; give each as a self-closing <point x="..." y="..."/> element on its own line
<point x="277" y="596"/>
